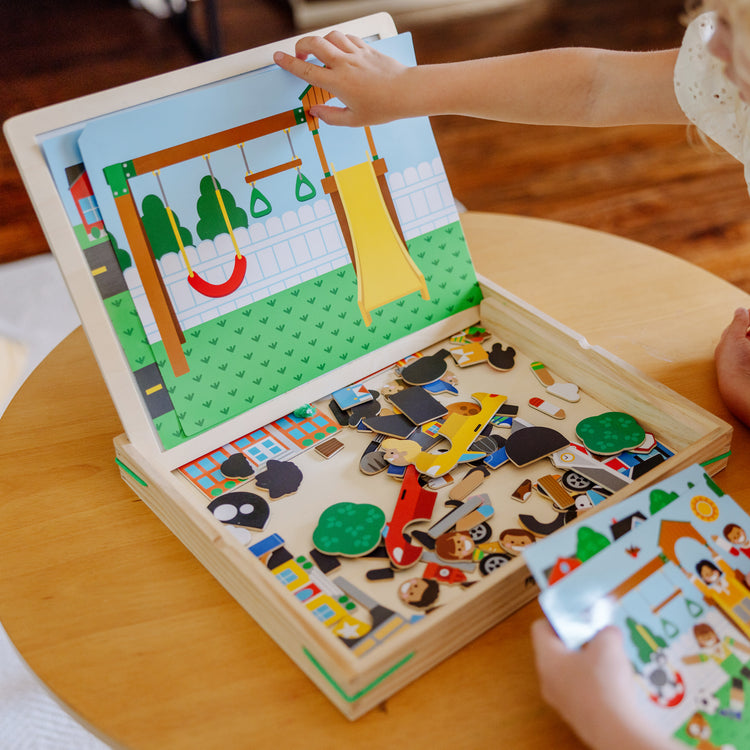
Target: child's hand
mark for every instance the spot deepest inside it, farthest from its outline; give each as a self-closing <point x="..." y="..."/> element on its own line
<point x="733" y="365"/>
<point x="593" y="690"/>
<point x="355" y="73"/>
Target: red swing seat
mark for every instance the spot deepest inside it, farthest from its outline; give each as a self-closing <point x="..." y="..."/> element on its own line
<point x="221" y="290"/>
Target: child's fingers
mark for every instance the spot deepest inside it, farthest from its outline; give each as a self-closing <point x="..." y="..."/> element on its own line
<point x="332" y="115"/>
<point x="300" y="67"/>
<point x="740" y="322"/>
<point x="545" y="641"/>
<point x="343" y="42"/>
<point x="356" y="41"/>
<point x="328" y="49"/>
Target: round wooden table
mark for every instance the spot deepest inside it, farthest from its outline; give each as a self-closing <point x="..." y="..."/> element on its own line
<point x="146" y="648"/>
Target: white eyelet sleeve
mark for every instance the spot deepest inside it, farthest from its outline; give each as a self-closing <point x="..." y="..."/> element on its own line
<point x="708" y="99"/>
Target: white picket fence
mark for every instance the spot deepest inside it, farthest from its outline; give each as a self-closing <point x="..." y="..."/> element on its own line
<point x="286" y="250"/>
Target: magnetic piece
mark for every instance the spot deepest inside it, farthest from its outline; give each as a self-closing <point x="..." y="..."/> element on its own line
<point x="543" y="375"/>
<point x="502" y="420"/>
<point x="241" y="534"/>
<point x="540" y="528"/>
<point x="393" y="386"/>
<point x="469" y="354"/>
<point x="425" y="369"/>
<point x="437" y="483"/>
<point x="461" y="432"/>
<point x="646" y="465"/>
<point x="519" y="424"/>
<point x="330" y="448"/>
<point x="610" y="433"/>
<point x="241" y="509"/>
<point x="349" y="529"/>
<point x="492" y="562"/>
<point x="380" y="574"/>
<point x="352" y="416"/>
<point x="414" y="503"/>
<point x="423" y="538"/>
<point x="393" y="425"/>
<point x="400" y="452"/>
<point x="429" y="556"/>
<point x="326" y="563"/>
<point x="426" y="437"/>
<point x="476" y="522"/>
<point x="236" y="467"/>
<point x="508" y="409"/>
<point x="338" y="413"/>
<point x="648" y="444"/>
<point x="532" y="443"/>
<point x="475" y="334"/>
<point x="372" y="460"/>
<point x="305" y="411"/>
<point x="351" y="396"/>
<point x="590" y="468"/>
<point x="576" y="482"/>
<point x="368" y="409"/>
<point x="514" y="540"/>
<point x="449" y="520"/>
<point x="455" y="546"/>
<point x="396" y="472"/>
<point x="549" y="486"/>
<point x="523" y="492"/>
<point x="496" y="459"/>
<point x="484" y="445"/>
<point x="279" y="478"/>
<point x="501" y="358"/>
<point x="444" y="574"/>
<point x="463" y="408"/>
<point x="546" y="407"/>
<point x="471" y="482"/>
<point x="565" y="391"/>
<point x="417" y="405"/>
<point x="443" y="385"/>
<point x="419" y="592"/>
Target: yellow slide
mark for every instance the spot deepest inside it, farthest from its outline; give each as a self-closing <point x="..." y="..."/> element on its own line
<point x="385" y="270"/>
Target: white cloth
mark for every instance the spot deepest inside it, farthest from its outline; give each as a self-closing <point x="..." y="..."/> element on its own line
<point x="708" y="98"/>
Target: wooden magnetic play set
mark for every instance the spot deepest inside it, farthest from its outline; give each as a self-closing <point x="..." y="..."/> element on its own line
<point x="352" y="431"/>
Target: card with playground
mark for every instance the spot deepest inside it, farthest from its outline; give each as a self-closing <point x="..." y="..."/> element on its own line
<point x="670" y="566"/>
<point x="352" y="430"/>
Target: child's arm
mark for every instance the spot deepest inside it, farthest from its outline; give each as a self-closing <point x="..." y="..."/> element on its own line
<point x="733" y="365"/>
<point x="569" y="86"/>
<point x="593" y="690"/>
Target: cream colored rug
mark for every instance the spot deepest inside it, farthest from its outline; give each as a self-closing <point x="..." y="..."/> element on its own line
<point x="13" y="360"/>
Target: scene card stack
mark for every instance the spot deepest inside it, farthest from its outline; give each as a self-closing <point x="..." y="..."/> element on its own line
<point x="669" y="566"/>
<point x="349" y="428"/>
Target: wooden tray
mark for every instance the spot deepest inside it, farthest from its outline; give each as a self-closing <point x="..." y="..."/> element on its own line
<point x="359" y="677"/>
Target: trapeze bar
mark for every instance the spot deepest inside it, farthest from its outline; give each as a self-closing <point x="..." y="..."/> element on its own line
<point x="273" y="170"/>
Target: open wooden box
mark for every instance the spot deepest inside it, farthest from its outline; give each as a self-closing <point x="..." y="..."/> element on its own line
<point x="355" y="638"/>
<point x="358" y="679"/>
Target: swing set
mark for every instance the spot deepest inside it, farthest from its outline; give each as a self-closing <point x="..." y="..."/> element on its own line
<point x="356" y="220"/>
<point x="304" y="191"/>
<point x="118" y="177"/>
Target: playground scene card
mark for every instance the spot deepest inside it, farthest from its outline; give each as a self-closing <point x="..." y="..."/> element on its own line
<point x="242" y="248"/>
<point x="671" y="567"/>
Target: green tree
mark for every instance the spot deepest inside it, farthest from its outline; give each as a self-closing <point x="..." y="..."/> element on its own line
<point x="123" y="257"/>
<point x="590" y="543"/>
<point x="659" y="499"/>
<point x="212" y="222"/>
<point x="159" y="228"/>
<point x="643" y="640"/>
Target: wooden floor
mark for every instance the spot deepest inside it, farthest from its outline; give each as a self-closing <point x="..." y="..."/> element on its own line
<point x="646" y="183"/>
